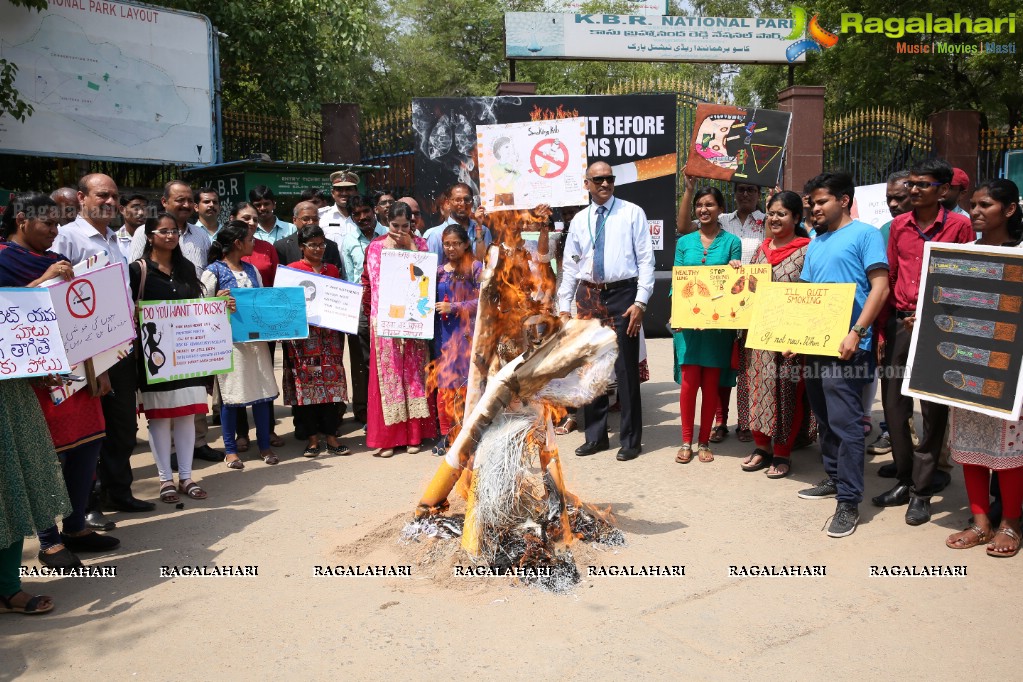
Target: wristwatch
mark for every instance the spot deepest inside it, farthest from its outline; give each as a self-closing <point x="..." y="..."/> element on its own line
<point x="860" y="330"/>
<point x="641" y="306"/>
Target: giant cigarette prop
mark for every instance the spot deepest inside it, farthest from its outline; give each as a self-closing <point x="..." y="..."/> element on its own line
<point x="577" y="343"/>
<point x="985" y="329"/>
<point x="645" y="169"/>
<point x="961" y="267"/>
<point x="976" y="299"/>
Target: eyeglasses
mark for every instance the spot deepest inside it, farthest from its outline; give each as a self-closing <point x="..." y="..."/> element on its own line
<point x="602" y="179"/>
<point x="385" y="202"/>
<point x="167" y="233"/>
<point x="314" y="247"/>
<point x="922" y="184"/>
<point x="747" y="190"/>
<point x="460" y="200"/>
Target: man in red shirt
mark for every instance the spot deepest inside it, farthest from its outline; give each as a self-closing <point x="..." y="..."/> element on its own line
<point x="916" y="472"/>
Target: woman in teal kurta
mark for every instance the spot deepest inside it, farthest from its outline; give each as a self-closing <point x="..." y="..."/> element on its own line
<point x="701" y="355"/>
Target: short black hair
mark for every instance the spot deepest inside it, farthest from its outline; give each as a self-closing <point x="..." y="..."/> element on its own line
<point x="358" y="201"/>
<point x="939" y="169"/>
<point x="134" y="197"/>
<point x="309" y="232"/>
<point x="204" y="190"/>
<point x="309" y="193"/>
<point x="837" y="183"/>
<point x="260" y="193"/>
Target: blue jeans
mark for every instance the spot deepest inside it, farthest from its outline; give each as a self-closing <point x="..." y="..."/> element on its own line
<point x="262" y="414"/>
<point x="835" y="390"/>
<point x="78" y="466"/>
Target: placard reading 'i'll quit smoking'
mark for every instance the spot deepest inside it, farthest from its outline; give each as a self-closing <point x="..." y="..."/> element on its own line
<point x="803" y="318"/>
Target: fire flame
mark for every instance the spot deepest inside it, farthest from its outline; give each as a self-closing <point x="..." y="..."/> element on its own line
<point x="538" y="114"/>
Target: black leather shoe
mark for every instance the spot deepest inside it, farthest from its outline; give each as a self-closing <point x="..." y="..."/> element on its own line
<point x="62" y="559"/>
<point x="896" y="497"/>
<point x="625" y="454"/>
<point x="888" y="470"/>
<point x="208" y="454"/>
<point x="90" y="542"/>
<point x="592" y="447"/>
<point x="130" y="505"/>
<point x="95" y="520"/>
<point x="919" y="511"/>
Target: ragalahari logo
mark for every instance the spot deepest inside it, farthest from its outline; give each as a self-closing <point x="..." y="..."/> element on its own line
<point x="819" y="39"/>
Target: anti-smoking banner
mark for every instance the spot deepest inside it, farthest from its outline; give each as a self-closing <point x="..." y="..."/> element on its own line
<point x="635" y="134"/>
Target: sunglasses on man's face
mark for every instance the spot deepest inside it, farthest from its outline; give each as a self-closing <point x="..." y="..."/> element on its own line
<point x="601" y="179"/>
<point x="922" y="184"/>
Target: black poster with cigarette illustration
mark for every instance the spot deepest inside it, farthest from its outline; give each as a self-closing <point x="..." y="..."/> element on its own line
<point x="635" y="134"/>
<point x="967" y="346"/>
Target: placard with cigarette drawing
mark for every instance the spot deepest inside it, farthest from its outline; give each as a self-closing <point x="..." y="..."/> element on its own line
<point x="715" y="297"/>
<point x="526" y="164"/>
<point x="804" y="318"/>
<point x="737" y="144"/>
<point x="408" y="292"/>
<point x="967" y="346"/>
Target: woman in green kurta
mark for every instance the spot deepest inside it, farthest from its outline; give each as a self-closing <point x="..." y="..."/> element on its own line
<point x="701" y="355"/>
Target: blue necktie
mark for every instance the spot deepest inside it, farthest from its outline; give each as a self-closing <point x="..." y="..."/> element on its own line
<point x="598" y="246"/>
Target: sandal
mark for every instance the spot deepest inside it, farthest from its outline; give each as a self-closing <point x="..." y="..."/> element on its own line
<point x="192" y="489"/>
<point x="704" y="454"/>
<point x="684" y="454"/>
<point x="234" y="463"/>
<point x="168" y="493"/>
<point x="270" y="459"/>
<point x="566" y="427"/>
<point x="719" y="433"/>
<point x="340" y="449"/>
<point x="762" y="463"/>
<point x="744" y="435"/>
<point x="242" y="444"/>
<point x="276" y="441"/>
<point x="31" y="607"/>
<point x="961" y="541"/>
<point x="777" y="465"/>
<point x="1013" y="551"/>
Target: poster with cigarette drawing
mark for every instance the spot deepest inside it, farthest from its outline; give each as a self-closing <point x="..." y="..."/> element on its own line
<point x="737" y="144"/>
<point x="966" y="348"/>
<point x="408" y="291"/>
<point x="526" y="164"/>
<point x="715" y="297"/>
<point x="804" y="318"/>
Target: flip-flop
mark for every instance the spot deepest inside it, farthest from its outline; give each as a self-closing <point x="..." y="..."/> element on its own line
<point x="31" y="607"/>
<point x="765" y="460"/>
<point x="684" y="454"/>
<point x="779" y="462"/>
<point x="704" y="454"/>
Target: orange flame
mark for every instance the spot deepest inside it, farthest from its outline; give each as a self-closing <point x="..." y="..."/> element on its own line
<point x="538" y="114"/>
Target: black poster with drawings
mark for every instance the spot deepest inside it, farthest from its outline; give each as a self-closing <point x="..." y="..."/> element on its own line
<point x="967" y="346"/>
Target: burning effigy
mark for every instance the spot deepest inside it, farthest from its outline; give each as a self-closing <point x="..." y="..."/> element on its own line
<point x="527" y="366"/>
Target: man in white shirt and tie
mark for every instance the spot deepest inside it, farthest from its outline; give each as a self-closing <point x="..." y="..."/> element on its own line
<point x="610" y="260"/>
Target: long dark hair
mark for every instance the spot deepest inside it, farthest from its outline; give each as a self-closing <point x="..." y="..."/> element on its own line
<point x="32" y="204"/>
<point x="223" y="244"/>
<point x="793" y="203"/>
<point x="1006" y="193"/>
<point x="181" y="268"/>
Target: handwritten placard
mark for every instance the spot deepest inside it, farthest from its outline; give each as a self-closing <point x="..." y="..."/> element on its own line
<point x="329" y="302"/>
<point x="803" y="318"/>
<point x="186" y="338"/>
<point x="94" y="311"/>
<point x="715" y="297"/>
<point x="408" y="292"/>
<point x="269" y="314"/>
<point x="537" y="162"/>
<point x="30" y="342"/>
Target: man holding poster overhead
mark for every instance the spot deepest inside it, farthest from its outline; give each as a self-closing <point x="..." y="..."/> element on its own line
<point x="845" y="250"/>
<point x="609" y="258"/>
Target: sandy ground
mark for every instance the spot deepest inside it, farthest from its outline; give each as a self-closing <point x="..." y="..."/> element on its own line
<point x="703" y="625"/>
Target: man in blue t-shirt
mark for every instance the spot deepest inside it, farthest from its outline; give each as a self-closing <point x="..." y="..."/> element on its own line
<point x="845" y="250"/>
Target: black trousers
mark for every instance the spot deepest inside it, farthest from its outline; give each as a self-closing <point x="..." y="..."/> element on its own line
<point x="119" y="411"/>
<point x="358" y="355"/>
<point x="915" y="468"/>
<point x="611" y="305"/>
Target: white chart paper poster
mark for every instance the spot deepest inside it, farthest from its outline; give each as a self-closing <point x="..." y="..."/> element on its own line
<point x="408" y="291"/>
<point x="330" y="302"/>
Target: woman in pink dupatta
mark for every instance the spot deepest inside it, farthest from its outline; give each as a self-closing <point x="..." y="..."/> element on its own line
<point x="397" y="412"/>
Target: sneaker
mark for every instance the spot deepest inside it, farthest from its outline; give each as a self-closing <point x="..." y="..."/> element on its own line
<point x="822" y="490"/>
<point x="844" y="521"/>
<point x="881" y="446"/>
